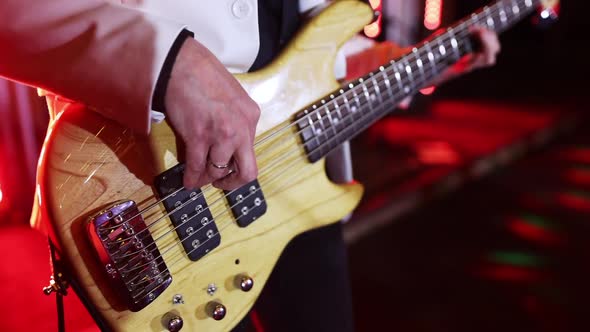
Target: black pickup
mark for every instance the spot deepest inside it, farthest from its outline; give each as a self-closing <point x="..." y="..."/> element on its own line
<point x="189" y="214"/>
<point x="247" y="203"/>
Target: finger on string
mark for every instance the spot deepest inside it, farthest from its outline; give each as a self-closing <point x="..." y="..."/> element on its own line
<point x="244" y="169"/>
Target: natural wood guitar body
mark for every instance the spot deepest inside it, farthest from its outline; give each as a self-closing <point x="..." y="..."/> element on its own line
<point x="89" y="162"/>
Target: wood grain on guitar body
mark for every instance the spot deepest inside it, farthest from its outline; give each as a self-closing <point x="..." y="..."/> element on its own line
<point x="151" y="256"/>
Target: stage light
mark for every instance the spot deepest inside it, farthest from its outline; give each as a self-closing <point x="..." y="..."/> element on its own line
<point x="433" y="14"/>
<point x="373" y="30"/>
<point x="375" y="3"/>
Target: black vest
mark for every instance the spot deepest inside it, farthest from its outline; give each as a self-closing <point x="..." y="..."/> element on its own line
<point x="278" y="20"/>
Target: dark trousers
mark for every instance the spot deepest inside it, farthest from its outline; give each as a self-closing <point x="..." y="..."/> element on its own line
<point x="309" y="288"/>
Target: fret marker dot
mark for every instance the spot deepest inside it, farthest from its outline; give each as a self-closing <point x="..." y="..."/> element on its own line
<point x="351" y="85"/>
<point x="503" y="16"/>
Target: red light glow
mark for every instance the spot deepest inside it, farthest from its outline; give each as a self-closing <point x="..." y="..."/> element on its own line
<point x="579" y="176"/>
<point x="535" y="232"/>
<point x="428" y="90"/>
<point x="575" y="201"/>
<point x="433" y="14"/>
<point x="436" y="153"/>
<point x="509" y="273"/>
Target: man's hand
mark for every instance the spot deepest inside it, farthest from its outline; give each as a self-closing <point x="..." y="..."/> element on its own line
<point x="215" y="118"/>
<point x="485" y="57"/>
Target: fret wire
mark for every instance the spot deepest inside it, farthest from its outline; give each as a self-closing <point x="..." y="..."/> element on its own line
<point x="366" y="93"/>
<point x="314" y="130"/>
<point x="454" y="44"/>
<point x="350" y="115"/>
<point x="386" y="80"/>
<point x="398" y="78"/>
<point x="420" y="63"/>
<point x="407" y="69"/>
<point x="322" y="129"/>
<point x="431" y="57"/>
<point x="515" y="8"/>
<point x="337" y="108"/>
<point x="377" y="88"/>
<point x="330" y="119"/>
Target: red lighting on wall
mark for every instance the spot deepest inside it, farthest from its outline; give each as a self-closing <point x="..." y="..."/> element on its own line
<point x="530" y="230"/>
<point x="1" y="195"/>
<point x="374" y="29"/>
<point x="433" y="14"/>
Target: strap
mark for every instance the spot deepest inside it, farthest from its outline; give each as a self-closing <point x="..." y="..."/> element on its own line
<point x="57" y="285"/>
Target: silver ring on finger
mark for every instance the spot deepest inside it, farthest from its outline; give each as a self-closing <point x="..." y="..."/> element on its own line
<point x="219" y="166"/>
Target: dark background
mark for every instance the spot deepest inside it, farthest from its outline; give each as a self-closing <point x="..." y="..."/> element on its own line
<point x="483" y="257"/>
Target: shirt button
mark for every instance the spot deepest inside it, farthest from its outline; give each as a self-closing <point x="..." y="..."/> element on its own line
<point x="241" y="8"/>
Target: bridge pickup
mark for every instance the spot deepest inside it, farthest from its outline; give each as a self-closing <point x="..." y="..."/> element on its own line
<point x="247" y="203"/>
<point x="189" y="214"/>
<point x="129" y="254"/>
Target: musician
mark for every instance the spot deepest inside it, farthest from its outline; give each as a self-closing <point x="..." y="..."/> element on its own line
<point x="141" y="61"/>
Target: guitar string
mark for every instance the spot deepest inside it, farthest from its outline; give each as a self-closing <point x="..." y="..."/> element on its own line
<point x="459" y="34"/>
<point x="294" y="176"/>
<point x="318" y="121"/>
<point x="159" y="286"/>
<point x="279" y="131"/>
<point x="318" y="147"/>
<point x="443" y="59"/>
<point x="222" y="226"/>
<point x="388" y="103"/>
<point x="257" y="143"/>
<point x="475" y="19"/>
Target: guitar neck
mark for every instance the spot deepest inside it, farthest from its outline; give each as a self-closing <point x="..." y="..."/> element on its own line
<point x="345" y="113"/>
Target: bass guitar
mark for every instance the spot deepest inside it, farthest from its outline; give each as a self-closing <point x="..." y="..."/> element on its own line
<point x="148" y="255"/>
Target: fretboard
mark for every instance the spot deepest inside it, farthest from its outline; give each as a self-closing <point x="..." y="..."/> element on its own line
<point x="348" y="111"/>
